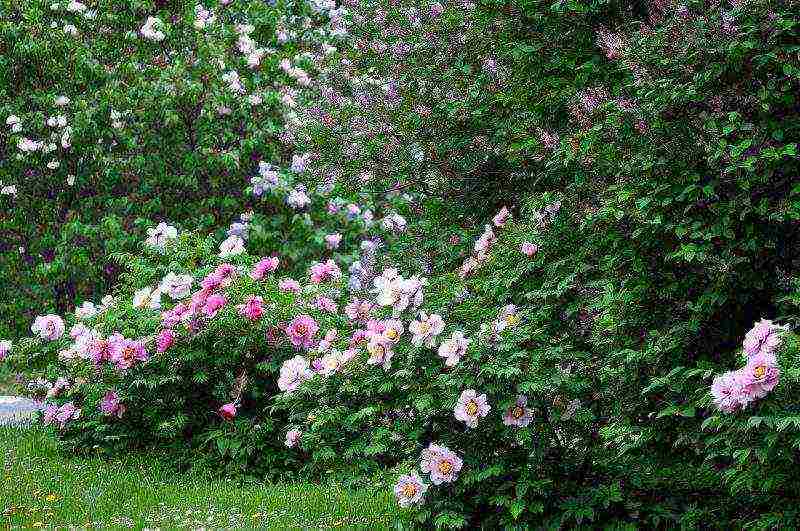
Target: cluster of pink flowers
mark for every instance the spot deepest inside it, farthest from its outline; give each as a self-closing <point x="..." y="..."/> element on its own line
<point x="324" y="271"/>
<point x="484" y="244"/>
<point x="111" y="405"/>
<point x="54" y="414"/>
<point x="118" y="350"/>
<point x="735" y="390"/>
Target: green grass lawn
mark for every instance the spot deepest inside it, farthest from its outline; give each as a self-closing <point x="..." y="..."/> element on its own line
<point x="42" y="488"/>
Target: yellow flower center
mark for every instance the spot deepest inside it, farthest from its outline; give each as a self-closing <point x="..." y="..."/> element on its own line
<point x="392" y="333"/>
<point x="376" y="349"/>
<point x="471" y="408"/>
<point x="759" y="371"/>
<point x="512" y="319"/>
<point x="409" y="490"/>
<point x="424" y="328"/>
<point x="517" y="412"/>
<point x="445" y="467"/>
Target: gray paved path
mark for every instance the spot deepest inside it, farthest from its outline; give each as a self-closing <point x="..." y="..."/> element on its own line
<point x="15" y="410"/>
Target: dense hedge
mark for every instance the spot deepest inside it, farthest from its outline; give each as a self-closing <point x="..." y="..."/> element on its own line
<point x="587" y="355"/>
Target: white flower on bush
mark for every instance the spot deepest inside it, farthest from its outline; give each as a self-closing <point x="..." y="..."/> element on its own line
<point x="298" y="199"/>
<point x="160" y="235"/>
<point x="62" y="101"/>
<point x="66" y="138"/>
<point x="86" y="310"/>
<point x="76" y="7"/>
<point x="152" y="29"/>
<point x="470" y="407"/>
<point x="14" y="123"/>
<point x="425" y="329"/>
<point x="147" y="298"/>
<point x="453" y="348"/>
<point x="232" y="246"/>
<point x="70" y="29"/>
<point x="49" y="327"/>
<point x="398" y="292"/>
<point x="9" y="189"/>
<point x="294" y="372"/>
<point x="203" y="17"/>
<point x="177" y="286"/>
<point x="26" y="145"/>
<point x="394" y="223"/>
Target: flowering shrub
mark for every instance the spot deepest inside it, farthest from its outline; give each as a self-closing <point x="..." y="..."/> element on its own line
<point x="504" y="253"/>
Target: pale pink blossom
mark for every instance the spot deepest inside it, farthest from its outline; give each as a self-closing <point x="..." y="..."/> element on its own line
<point x="454" y="348"/>
<point x="264" y="266"/>
<point x="294" y="372"/>
<point x="529" y="249"/>
<point x="519" y="415"/>
<point x="441" y="463"/>
<point x="293" y="438"/>
<point x="49" y="327"/>
<point x="470" y="407"/>
<point x="410" y="490"/>
<point x="289" y="284"/>
<point x="426" y="329"/>
<point x="324" y="271"/>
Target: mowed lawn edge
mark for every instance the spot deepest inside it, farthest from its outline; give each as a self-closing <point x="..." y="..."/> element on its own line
<point x="43" y="488"/>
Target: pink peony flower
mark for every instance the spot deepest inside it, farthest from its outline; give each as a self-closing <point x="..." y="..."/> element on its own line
<point x="110" y="405"/>
<point x="333" y="240"/>
<point x="164" y="340"/>
<point x="441" y="463"/>
<point x="452" y="349"/>
<point x="502" y="217"/>
<point x="763" y="338"/>
<point x="100" y="349"/>
<point x="392" y="330"/>
<point x="519" y="414"/>
<point x="324" y="271"/>
<point x="380" y="352"/>
<point x="264" y="266"/>
<point x="253" y="308"/>
<point x="326" y="304"/>
<point x="293" y="438"/>
<point x="214" y="304"/>
<point x="66" y="413"/>
<point x="228" y="411"/>
<point x="288" y="284"/>
<point x="470" y="407"/>
<point x="729" y="392"/>
<point x="529" y="249"/>
<point x="409" y="490"/>
<point x="124" y="353"/>
<point x="301" y="331"/>
<point x="761" y="374"/>
<point x="49" y="327"/>
<point x="293" y="373"/>
<point x="5" y="347"/>
<point x="426" y="329"/>
<point x="359" y="310"/>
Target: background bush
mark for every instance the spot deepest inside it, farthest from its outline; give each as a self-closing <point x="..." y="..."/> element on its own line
<point x="648" y="150"/>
